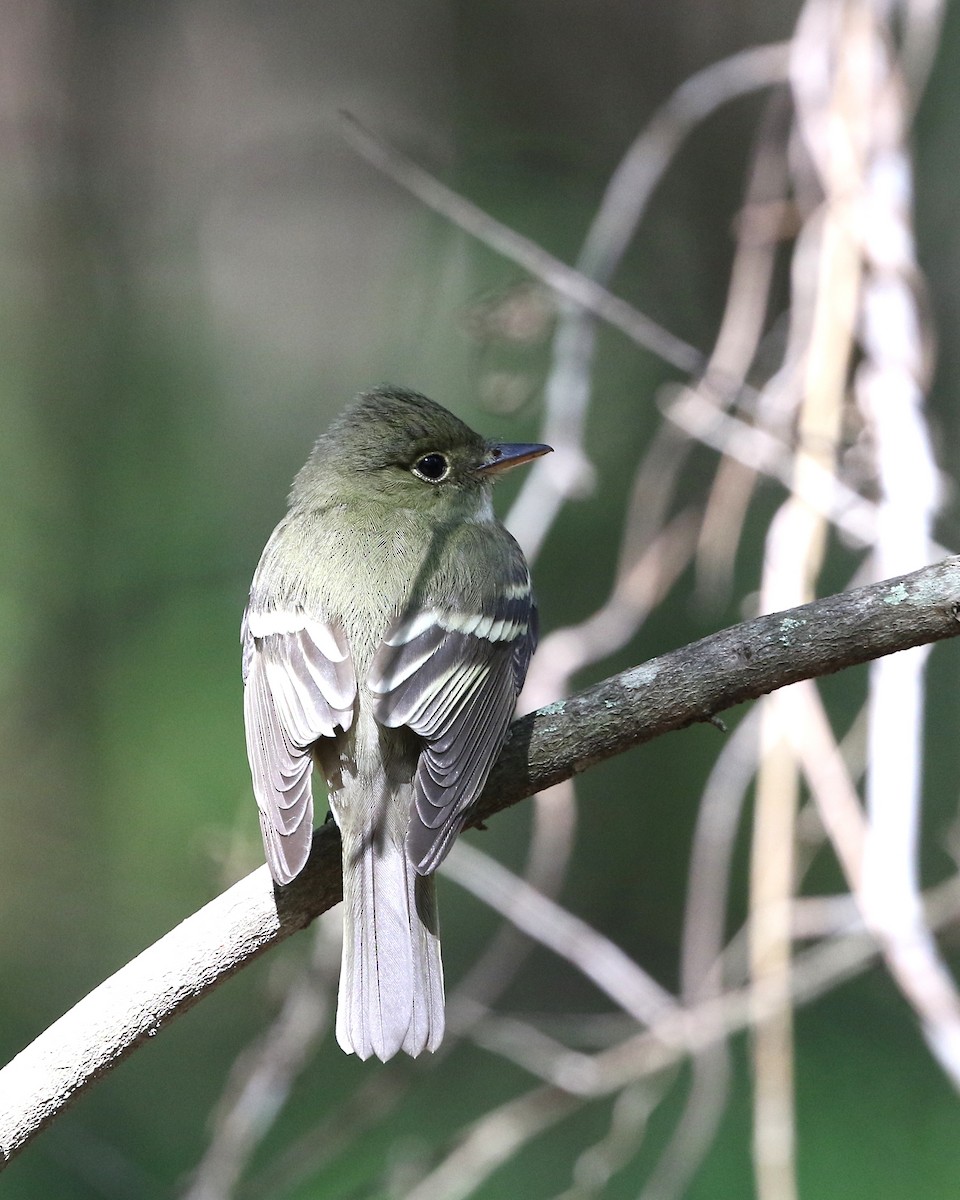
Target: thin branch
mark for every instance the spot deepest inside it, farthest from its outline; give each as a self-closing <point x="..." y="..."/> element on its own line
<point x="565" y="280"/>
<point x="889" y="386"/>
<point x="701" y="947"/>
<point x="551" y="844"/>
<point x="762" y="452"/>
<point x="673" y="691"/>
<point x="680" y="1033"/>
<point x="704" y="678"/>
<point x="569" y="384"/>
<point x="629" y="1119"/>
<point x="595" y="956"/>
<point x="684" y="1031"/>
<point x="493" y="1140"/>
<point x="263" y="1076"/>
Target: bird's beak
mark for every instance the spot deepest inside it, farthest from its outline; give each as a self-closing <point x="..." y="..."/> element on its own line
<point x="502" y="456"/>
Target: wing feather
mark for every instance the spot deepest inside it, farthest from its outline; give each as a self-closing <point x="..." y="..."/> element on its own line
<point x="453" y="676"/>
<point x="299" y="686"/>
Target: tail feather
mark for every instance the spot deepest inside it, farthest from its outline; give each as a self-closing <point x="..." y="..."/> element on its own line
<point x="426" y="1022"/>
<point x="391" y="979"/>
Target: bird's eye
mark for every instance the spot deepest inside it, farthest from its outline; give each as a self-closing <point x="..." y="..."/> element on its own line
<point x="432" y="467"/>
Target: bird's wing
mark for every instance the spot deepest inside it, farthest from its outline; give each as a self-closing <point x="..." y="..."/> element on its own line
<point x="453" y="677"/>
<point x="299" y="686"/>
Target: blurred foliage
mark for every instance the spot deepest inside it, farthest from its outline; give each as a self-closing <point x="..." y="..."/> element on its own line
<point x="196" y="275"/>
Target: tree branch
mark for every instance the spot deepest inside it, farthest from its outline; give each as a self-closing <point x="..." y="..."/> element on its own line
<point x="544" y="748"/>
<point x="562" y="279"/>
<point x="704" y="678"/>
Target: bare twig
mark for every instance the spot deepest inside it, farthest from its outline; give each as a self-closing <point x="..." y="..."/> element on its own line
<point x="595" y="1166"/>
<point x="563" y="279"/>
<point x="492" y="1140"/>
<point x="679" y="1033"/>
<point x="761" y="451"/>
<point x="263" y="1076"/>
<point x="568" y="386"/>
<point x="738" y="339"/>
<point x="795" y="548"/>
<point x="889" y="388"/>
<point x="684" y="1031"/>
<point x="551" y="843"/>
<point x="704" y="923"/>
<point x="594" y="955"/>
<point x="828" y="777"/>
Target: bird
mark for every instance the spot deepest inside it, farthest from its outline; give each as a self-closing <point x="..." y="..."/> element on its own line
<point x="388" y="631"/>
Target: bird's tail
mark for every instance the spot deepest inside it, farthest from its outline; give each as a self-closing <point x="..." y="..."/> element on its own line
<point x="391" y="978"/>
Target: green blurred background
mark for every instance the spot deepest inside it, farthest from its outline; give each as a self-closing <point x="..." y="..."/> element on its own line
<point x="195" y="274"/>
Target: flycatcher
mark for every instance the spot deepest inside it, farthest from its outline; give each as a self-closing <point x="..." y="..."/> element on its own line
<point x="388" y="632"/>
